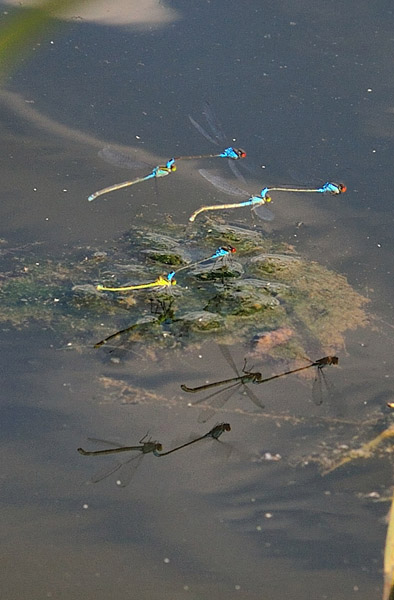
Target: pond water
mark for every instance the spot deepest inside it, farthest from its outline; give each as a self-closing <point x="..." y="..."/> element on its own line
<point x="306" y="90"/>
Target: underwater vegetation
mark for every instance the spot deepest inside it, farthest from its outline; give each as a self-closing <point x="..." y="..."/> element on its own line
<point x="264" y="292"/>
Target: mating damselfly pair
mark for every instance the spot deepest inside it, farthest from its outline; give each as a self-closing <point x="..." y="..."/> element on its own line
<point x="154" y="447"/>
<point x="256" y="201"/>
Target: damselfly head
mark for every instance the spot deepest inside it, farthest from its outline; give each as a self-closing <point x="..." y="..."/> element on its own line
<point x="327" y="360"/>
<point x="217" y="431"/>
<point x="334" y="188"/>
<point x="233" y="153"/>
<point x="229" y="249"/>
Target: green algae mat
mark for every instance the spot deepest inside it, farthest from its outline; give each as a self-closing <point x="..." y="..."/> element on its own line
<point x="289" y="306"/>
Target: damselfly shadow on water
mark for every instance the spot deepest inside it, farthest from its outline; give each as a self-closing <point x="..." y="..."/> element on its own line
<point x="127" y="467"/>
<point x="219" y="398"/>
<point x="161" y="314"/>
<point x="320" y="388"/>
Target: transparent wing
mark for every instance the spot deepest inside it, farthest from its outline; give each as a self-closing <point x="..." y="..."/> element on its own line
<point x="216" y="400"/>
<point x="106" y="442"/>
<point x="119" y="159"/>
<point x="322" y="389"/>
<point x="253" y="397"/>
<point x="222" y="185"/>
<point x="202" y="131"/>
<point x="236" y="171"/>
<point x="127" y="468"/>
<point x="216" y="135"/>
<point x="214" y="124"/>
<point x="219" y="398"/>
<point x="264" y="213"/>
<point x="220" y="138"/>
<point x="213" y="398"/>
<point x="226" y="353"/>
<point x="205" y="415"/>
<point x="103" y="474"/>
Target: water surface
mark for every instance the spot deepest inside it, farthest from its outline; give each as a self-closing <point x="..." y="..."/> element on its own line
<point x="306" y="92"/>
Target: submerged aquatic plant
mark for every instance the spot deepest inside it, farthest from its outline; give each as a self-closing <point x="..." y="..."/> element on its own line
<point x="266" y="289"/>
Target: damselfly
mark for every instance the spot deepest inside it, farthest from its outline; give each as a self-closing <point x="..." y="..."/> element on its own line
<point x="160" y="282"/>
<point x="127" y="473"/>
<point x="327" y="188"/>
<point x="214" y="433"/>
<point x="255" y="202"/>
<point x="230" y="153"/>
<point x="162" y="314"/>
<point x="222" y="253"/>
<point x="257" y="378"/>
<point x="320" y="386"/>
<point x="216" y="400"/>
<point x="159" y="171"/>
